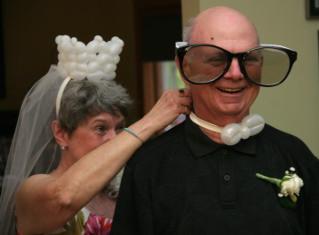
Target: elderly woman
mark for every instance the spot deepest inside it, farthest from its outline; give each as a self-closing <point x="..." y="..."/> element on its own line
<point x="69" y="156"/>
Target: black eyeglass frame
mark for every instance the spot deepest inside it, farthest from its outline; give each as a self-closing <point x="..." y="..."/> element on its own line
<point x="181" y="48"/>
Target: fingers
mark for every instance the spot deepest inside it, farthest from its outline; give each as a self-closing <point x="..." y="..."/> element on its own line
<point x="171" y="104"/>
<point x="186" y="109"/>
<point x="184" y="92"/>
<point x="185" y="100"/>
<point x="180" y="99"/>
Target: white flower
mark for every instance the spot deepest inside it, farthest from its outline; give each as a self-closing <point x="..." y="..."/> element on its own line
<point x="289" y="185"/>
<point x="292" y="185"/>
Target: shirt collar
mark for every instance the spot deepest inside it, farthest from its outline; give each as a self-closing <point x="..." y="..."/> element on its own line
<point x="201" y="145"/>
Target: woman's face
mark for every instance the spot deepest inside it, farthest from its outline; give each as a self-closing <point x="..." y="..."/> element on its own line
<point x="93" y="132"/>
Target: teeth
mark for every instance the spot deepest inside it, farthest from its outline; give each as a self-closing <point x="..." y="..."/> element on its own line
<point x="231" y="90"/>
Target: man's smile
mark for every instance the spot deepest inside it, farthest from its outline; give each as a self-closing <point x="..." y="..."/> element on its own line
<point x="231" y="90"/>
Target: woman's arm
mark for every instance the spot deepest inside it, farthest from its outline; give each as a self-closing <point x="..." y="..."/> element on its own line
<point x="46" y="202"/>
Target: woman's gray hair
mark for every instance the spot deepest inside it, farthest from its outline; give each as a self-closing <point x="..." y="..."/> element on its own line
<point x="86" y="98"/>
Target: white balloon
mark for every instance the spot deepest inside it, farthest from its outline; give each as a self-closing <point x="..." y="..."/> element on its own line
<point x="65" y="38"/>
<point x="103" y="58"/>
<point x="82" y="58"/>
<point x="117" y="40"/>
<point x="80" y="47"/>
<point x="98" y="38"/>
<point x="95" y="75"/>
<point x="109" y="68"/>
<point x="82" y="67"/>
<point x="92" y="47"/>
<point x="71" y="57"/>
<point x="58" y="39"/>
<point x="255" y="122"/>
<point x="62" y="57"/>
<point x="70" y="66"/>
<point x="115" y="50"/>
<point x="77" y="75"/>
<point x="66" y="47"/>
<point x="109" y="76"/>
<point x="245" y="132"/>
<point x="96" y="59"/>
<point x="92" y="67"/>
<point x="116" y="59"/>
<point x="91" y="57"/>
<point x="59" y="48"/>
<point x="103" y="44"/>
<point x="74" y="40"/>
<point x="230" y="134"/>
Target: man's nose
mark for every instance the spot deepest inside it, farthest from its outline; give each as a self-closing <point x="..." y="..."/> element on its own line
<point x="234" y="71"/>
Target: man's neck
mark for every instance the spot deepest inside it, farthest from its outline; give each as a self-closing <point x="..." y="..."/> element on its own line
<point x="213" y="133"/>
<point x="218" y="118"/>
<point x="214" y="136"/>
<point x="232" y="133"/>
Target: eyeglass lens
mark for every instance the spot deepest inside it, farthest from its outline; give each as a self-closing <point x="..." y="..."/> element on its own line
<point x="264" y="66"/>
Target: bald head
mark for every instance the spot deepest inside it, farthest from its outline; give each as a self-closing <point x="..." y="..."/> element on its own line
<point x="223" y="25"/>
<point x="229" y="29"/>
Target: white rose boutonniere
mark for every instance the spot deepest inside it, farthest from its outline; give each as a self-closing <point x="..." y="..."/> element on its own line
<point x="289" y="186"/>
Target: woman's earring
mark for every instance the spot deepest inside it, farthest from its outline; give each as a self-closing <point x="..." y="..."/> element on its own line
<point x="63" y="147"/>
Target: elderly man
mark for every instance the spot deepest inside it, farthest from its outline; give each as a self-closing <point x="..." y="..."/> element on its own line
<point x="223" y="170"/>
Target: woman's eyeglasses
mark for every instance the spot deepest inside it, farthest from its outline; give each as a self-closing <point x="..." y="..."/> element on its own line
<point x="267" y="65"/>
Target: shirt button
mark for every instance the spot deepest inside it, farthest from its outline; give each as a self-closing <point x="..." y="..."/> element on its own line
<point x="227" y="177"/>
<point x="224" y="151"/>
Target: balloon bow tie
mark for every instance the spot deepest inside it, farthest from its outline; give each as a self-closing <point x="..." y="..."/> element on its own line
<point x="232" y="133"/>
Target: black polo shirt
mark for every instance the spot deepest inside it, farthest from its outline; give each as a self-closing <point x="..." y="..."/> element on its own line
<point x="183" y="183"/>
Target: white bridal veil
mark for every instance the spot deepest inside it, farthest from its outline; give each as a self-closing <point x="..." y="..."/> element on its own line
<point x="33" y="149"/>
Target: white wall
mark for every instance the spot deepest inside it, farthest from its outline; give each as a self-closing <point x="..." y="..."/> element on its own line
<point x="293" y="106"/>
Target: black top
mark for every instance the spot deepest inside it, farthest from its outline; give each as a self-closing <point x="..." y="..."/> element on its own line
<point x="183" y="183"/>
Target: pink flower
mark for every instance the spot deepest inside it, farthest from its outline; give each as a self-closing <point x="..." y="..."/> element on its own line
<point x="97" y="225"/>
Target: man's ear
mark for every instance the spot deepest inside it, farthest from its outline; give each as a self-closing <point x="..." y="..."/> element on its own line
<point x="178" y="65"/>
<point x="60" y="135"/>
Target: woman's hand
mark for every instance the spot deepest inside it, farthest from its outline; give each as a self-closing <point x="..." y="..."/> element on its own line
<point x="171" y="104"/>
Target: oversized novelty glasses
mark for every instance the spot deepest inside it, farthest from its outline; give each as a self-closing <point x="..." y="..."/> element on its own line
<point x="267" y="65"/>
